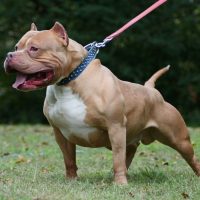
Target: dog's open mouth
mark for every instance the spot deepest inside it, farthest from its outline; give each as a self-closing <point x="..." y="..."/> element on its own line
<point x="33" y="81"/>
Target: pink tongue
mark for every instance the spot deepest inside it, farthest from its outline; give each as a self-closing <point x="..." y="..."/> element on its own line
<point x="20" y="79"/>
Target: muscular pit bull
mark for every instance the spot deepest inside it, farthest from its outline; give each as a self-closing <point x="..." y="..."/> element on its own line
<point x="96" y="109"/>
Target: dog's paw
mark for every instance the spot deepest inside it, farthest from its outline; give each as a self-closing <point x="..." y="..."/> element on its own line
<point x="121" y="180"/>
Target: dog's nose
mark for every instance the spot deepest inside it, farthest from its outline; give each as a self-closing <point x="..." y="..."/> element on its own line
<point x="9" y="55"/>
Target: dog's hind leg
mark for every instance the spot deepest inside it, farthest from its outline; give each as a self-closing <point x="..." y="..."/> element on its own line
<point x="173" y="132"/>
<point x="184" y="147"/>
<point x="186" y="150"/>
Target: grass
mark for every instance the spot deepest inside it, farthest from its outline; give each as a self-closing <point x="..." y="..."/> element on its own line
<point x="31" y="167"/>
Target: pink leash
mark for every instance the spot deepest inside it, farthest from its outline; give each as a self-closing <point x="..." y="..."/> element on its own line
<point x="130" y="23"/>
<point x="93" y="48"/>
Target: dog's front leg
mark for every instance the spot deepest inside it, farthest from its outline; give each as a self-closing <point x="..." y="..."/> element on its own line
<point x="69" y="153"/>
<point x="117" y="135"/>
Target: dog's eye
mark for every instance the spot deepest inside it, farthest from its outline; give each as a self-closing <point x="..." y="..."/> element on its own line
<point x="33" y="49"/>
<point x="16" y="47"/>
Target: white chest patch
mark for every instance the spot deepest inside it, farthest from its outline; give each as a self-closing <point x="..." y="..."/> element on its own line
<point x="67" y="111"/>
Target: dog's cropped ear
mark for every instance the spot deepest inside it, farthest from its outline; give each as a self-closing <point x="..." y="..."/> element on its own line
<point x="33" y="27"/>
<point x="60" y="31"/>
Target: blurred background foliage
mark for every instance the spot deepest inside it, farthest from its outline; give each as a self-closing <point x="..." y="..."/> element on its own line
<point x="169" y="35"/>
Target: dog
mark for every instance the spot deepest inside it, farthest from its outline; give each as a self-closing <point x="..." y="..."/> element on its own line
<point x="96" y="109"/>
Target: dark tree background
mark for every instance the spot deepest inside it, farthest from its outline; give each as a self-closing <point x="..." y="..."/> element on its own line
<point x="169" y="35"/>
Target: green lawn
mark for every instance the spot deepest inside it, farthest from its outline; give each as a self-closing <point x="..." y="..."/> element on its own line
<point x="31" y="167"/>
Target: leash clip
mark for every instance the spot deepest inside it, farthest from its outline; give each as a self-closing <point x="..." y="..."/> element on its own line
<point x="90" y="45"/>
<point x="103" y="44"/>
<point x="98" y="44"/>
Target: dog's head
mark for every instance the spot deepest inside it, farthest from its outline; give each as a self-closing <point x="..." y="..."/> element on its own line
<point x="43" y="57"/>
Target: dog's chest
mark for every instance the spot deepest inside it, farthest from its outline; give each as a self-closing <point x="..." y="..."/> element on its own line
<point x="67" y="111"/>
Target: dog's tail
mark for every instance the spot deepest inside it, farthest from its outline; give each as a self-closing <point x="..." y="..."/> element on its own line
<point x="158" y="74"/>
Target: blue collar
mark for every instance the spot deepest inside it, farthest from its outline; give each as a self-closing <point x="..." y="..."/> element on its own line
<point x="92" y="52"/>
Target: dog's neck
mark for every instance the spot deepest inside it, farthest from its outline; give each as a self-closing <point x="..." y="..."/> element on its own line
<point x="92" y="50"/>
<point x="77" y="54"/>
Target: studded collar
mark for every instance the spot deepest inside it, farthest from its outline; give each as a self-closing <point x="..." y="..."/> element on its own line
<point x="92" y="52"/>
